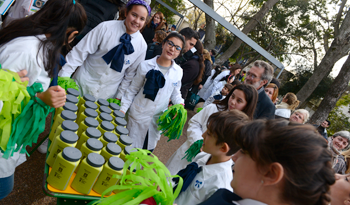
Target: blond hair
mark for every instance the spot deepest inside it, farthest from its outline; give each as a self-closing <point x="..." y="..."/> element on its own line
<point x="292" y="101"/>
<point x="346" y="155"/>
<point x="207" y="56"/>
<point x="305" y="113"/>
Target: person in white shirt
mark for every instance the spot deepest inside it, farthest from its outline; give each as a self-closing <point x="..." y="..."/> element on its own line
<point x="212" y="168"/>
<point x="242" y="97"/>
<point x="279" y="162"/>
<point x="34" y="43"/>
<point x="287" y="106"/>
<point x="219" y="95"/>
<point x="157" y="80"/>
<point x="109" y="54"/>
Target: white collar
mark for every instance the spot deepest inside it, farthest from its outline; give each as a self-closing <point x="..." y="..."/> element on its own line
<point x="212" y="169"/>
<point x="153" y="62"/>
<point x="249" y="202"/>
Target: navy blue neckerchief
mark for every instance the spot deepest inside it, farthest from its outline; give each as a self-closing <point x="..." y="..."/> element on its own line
<point x="55" y="71"/>
<point x="188" y="174"/>
<point x="116" y="54"/>
<point x="218" y="97"/>
<point x="155" y="81"/>
<point x="222" y="197"/>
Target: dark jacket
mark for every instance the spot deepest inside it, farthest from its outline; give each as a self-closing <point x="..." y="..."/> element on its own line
<point x="148" y="34"/>
<point x="265" y="109"/>
<point x="207" y="71"/>
<point x="153" y="50"/>
<point x="190" y="70"/>
<point x="322" y="131"/>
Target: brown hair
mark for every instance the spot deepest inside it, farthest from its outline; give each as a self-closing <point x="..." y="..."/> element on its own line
<point x="251" y="96"/>
<point x="222" y="125"/>
<point x="161" y="24"/>
<point x="301" y="151"/>
<point x="228" y="86"/>
<point x="199" y="53"/>
<point x="275" y="91"/>
<point x="234" y="67"/>
<point x="160" y="36"/>
<point x="292" y="101"/>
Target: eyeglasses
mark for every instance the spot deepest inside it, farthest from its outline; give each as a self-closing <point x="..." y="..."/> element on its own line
<point x="171" y="44"/>
<point x="251" y="75"/>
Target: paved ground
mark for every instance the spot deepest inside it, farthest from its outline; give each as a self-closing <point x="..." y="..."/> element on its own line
<point x="29" y="176"/>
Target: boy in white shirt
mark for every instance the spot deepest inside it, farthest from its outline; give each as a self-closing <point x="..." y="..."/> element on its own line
<point x="212" y="168"/>
<point x="219" y="95"/>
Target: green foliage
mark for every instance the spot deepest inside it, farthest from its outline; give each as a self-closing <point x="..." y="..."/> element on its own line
<point x="339" y="121"/>
<point x="178" y="5"/>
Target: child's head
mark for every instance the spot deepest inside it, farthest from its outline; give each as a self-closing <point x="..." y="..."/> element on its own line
<point x="292" y="100"/>
<point x="159" y="36"/>
<point x="172" y="46"/>
<point x="282" y="159"/>
<point x="136" y="15"/>
<point x="221" y="127"/>
<point x="226" y="89"/>
<point x="242" y="97"/>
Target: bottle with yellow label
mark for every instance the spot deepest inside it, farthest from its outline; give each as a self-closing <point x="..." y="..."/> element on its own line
<point x="92" y="145"/>
<point x="104" y="109"/>
<point x="89" y="133"/>
<point x="114" y="106"/>
<point x="108" y="137"/>
<point x="124" y="141"/>
<point x="66" y="125"/>
<point x="65" y="115"/>
<point x="111" y="150"/>
<point x="126" y="152"/>
<point x="72" y="99"/>
<point x="114" y="166"/>
<point x="63" y="168"/>
<point x="84" y="99"/>
<point x="66" y="139"/>
<point x="102" y="102"/>
<point x="88" y="122"/>
<point x="67" y="106"/>
<point x="117" y="113"/>
<point x="88" y="112"/>
<point x="90" y="169"/>
<point x="119" y="122"/>
<point x="119" y="130"/>
<point x="73" y="92"/>
<point x="104" y="117"/>
<point x="105" y="127"/>
<point x="86" y="105"/>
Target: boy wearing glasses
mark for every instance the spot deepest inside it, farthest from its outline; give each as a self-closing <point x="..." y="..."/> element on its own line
<point x="156" y="81"/>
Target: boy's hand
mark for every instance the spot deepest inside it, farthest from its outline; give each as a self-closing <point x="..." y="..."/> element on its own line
<point x="55" y="96"/>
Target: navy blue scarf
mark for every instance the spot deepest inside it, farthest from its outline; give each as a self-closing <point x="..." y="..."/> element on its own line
<point x="222" y="197"/>
<point x="154" y="25"/>
<point x="155" y="81"/>
<point x="218" y="97"/>
<point x="116" y="55"/>
<point x="55" y="70"/>
<point x="187" y="174"/>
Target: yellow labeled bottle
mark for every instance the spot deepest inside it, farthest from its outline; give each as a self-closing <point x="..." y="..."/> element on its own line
<point x="67" y="106"/>
<point x="111" y="150"/>
<point x="119" y="122"/>
<point x="114" y="166"/>
<point x="105" y="109"/>
<point x="108" y="137"/>
<point x="65" y="115"/>
<point x="114" y="107"/>
<point x="63" y="168"/>
<point x="88" y="112"/>
<point x="102" y="102"/>
<point x="90" y="169"/>
<point x="72" y="99"/>
<point x="85" y="99"/>
<point x="92" y="145"/>
<point x="88" y="122"/>
<point x="89" y="133"/>
<point x="73" y="92"/>
<point x="104" y="117"/>
<point x="105" y="127"/>
<point x="119" y="130"/>
<point x="66" y="139"/>
<point x="126" y="152"/>
<point x="86" y="105"/>
<point x="117" y="113"/>
<point x="124" y="141"/>
<point x="66" y="125"/>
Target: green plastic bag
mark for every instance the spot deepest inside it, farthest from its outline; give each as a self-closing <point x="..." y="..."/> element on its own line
<point x="172" y="122"/>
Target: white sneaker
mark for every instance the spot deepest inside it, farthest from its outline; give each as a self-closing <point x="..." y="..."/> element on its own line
<point x="43" y="147"/>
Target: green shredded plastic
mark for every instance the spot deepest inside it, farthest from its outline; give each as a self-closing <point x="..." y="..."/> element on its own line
<point x="67" y="82"/>
<point x="170" y="127"/>
<point x="150" y="175"/>
<point x="113" y="100"/>
<point x="193" y="150"/>
<point x="199" y="109"/>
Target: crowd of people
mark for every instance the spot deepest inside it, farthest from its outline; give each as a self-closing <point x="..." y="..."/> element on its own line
<point x="244" y="146"/>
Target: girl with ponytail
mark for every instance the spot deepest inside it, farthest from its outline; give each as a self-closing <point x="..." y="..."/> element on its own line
<point x="289" y="103"/>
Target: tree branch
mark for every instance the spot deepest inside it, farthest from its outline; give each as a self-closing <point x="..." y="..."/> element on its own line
<point x="339" y="15"/>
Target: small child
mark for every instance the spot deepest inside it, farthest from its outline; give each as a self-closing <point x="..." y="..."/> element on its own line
<point x="219" y="96"/>
<point x="212" y="168"/>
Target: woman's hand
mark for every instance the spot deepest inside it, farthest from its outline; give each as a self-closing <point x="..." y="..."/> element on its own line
<point x="55" y="96"/>
<point x="22" y="74"/>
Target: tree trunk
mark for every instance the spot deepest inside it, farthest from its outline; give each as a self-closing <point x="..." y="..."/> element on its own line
<point x="339" y="48"/>
<point x="247" y="28"/>
<point x="210" y="40"/>
<point x="338" y="87"/>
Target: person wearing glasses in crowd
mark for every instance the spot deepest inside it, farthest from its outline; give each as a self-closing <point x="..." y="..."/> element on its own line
<point x="157" y="80"/>
<point x="260" y="75"/>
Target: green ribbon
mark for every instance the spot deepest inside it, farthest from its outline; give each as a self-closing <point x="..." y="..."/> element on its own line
<point x="143" y="183"/>
<point x="199" y="109"/>
<point x="172" y="121"/>
<point x="193" y="150"/>
<point x="112" y="100"/>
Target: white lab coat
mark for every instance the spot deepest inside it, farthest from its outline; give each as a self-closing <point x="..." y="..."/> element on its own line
<point x="248" y="202"/>
<point x="207" y="84"/>
<point x="283" y="112"/>
<point x="208" y="91"/>
<point x="19" y="10"/>
<point x="18" y="54"/>
<point x="196" y="127"/>
<point x="208" y="181"/>
<point x="144" y="113"/>
<point x="95" y="77"/>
